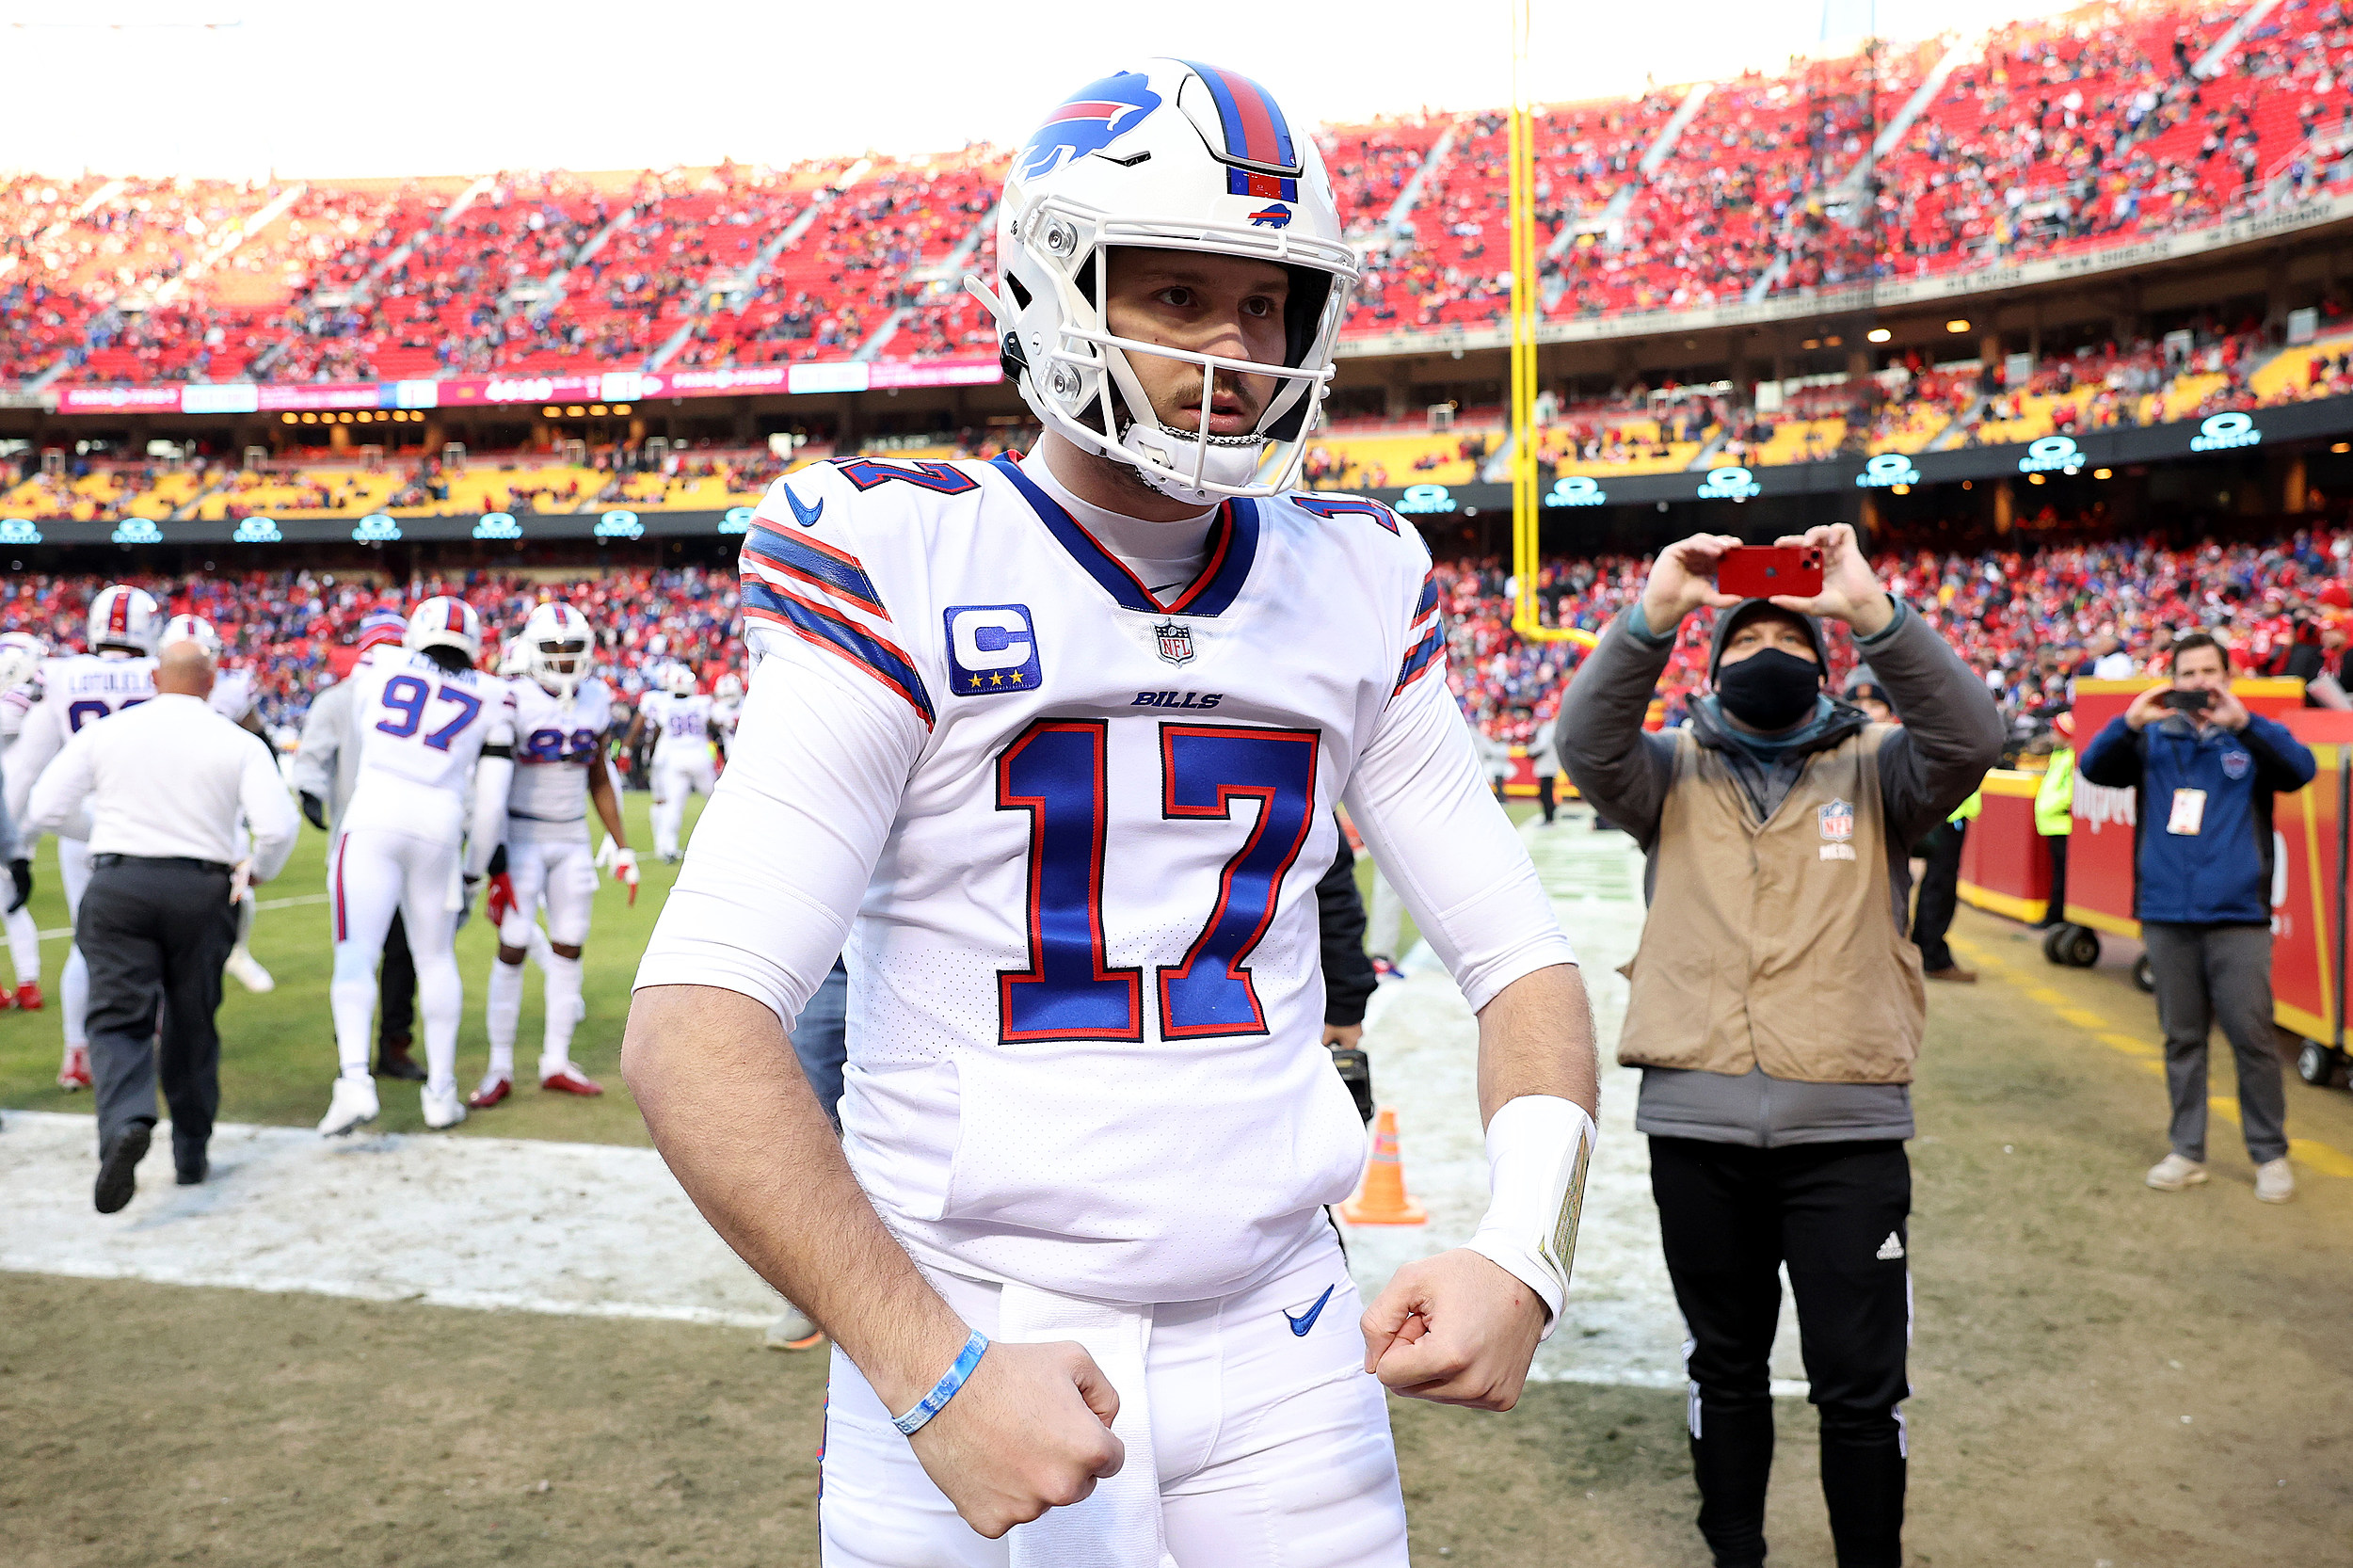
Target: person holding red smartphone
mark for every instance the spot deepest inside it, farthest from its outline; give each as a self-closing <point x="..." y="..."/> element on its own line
<point x="1776" y="1004"/>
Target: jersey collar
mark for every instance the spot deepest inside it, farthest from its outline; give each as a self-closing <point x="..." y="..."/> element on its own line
<point x="1232" y="549"/>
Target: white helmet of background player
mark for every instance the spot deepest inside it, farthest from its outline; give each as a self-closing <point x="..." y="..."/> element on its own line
<point x="1171" y="155"/>
<point x="442" y="621"/>
<point x="21" y="654"/>
<point x="728" y="688"/>
<point x="124" y="619"/>
<point x="192" y="628"/>
<point x="679" y="680"/>
<point x="558" y="647"/>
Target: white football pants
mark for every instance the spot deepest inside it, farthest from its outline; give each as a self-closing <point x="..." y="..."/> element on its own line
<point x="74" y="982"/>
<point x="25" y="946"/>
<point x="374" y="871"/>
<point x="564" y="873"/>
<point x="1271" y="1443"/>
<point x="674" y="777"/>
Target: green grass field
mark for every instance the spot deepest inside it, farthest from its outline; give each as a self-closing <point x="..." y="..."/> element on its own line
<point x="277" y="1051"/>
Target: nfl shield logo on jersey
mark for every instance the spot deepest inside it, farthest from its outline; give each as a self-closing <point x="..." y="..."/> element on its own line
<point x="1176" y="642"/>
<point x="1837" y="820"/>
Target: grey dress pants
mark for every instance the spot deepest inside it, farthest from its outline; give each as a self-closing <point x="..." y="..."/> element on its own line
<point x="2218" y="974"/>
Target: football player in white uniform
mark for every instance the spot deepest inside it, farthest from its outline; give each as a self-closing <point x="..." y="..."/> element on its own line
<point x="21" y="658"/>
<point x="1054" y="744"/>
<point x="562" y="713"/>
<point x="679" y="719"/>
<point x="118" y="672"/>
<point x="235" y="697"/>
<point x="727" y="709"/>
<point x="434" y="726"/>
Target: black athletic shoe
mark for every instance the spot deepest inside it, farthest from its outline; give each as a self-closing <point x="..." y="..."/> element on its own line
<point x="119" y="1168"/>
<point x="395" y="1062"/>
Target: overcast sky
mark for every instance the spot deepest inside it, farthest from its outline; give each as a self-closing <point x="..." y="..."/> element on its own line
<point x="240" y="88"/>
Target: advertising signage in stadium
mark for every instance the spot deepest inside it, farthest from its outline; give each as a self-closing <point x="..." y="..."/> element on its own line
<point x="595" y="386"/>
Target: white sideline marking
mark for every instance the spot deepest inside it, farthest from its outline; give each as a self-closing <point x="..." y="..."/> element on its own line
<point x="1620" y="1326"/>
<point x="490" y="1224"/>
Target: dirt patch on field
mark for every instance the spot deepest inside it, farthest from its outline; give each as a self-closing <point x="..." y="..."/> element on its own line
<point x="2101" y="1374"/>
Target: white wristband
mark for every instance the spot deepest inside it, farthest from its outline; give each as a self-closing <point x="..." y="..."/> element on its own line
<point x="1537" y="1148"/>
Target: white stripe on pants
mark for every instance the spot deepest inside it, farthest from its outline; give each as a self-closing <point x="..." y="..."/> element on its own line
<point x="372" y="872"/>
<point x="1273" y="1446"/>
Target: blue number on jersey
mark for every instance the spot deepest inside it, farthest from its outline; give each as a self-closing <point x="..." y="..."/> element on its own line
<point x="406" y="695"/>
<point x="559" y="746"/>
<point x="1202" y="769"/>
<point x="866" y="472"/>
<point x="1055" y="771"/>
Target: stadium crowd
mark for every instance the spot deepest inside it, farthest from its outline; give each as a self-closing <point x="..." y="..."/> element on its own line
<point x="285" y="626"/>
<point x="2029" y="620"/>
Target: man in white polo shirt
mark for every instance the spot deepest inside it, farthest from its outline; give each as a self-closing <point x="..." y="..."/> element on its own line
<point x="161" y="786"/>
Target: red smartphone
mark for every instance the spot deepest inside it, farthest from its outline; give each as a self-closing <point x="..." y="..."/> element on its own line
<point x="1762" y="570"/>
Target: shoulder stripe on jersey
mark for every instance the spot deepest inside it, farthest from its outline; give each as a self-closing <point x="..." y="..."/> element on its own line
<point x="1426" y="656"/>
<point x="825" y="628"/>
<point x="1233" y="548"/>
<point x="814" y="561"/>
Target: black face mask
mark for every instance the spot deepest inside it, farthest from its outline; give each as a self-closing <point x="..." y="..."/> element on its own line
<point x="1770" y="689"/>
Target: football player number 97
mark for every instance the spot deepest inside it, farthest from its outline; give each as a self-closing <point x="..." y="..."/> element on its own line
<point x="1055" y="771"/>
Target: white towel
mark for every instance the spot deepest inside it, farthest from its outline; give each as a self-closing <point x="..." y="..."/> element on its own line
<point x="1118" y="1526"/>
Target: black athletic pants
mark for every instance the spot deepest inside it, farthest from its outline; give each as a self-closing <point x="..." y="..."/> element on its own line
<point x="1940" y="895"/>
<point x="155" y="934"/>
<point x="397" y="987"/>
<point x="1837" y="1215"/>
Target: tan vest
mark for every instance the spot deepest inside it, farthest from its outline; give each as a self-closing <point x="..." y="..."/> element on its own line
<point x="1775" y="945"/>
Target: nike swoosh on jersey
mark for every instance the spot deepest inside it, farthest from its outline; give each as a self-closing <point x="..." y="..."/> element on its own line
<point x="1305" y="1320"/>
<point x="806" y="516"/>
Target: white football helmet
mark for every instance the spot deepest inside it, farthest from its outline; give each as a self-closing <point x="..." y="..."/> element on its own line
<point x="124" y="619"/>
<point x="558" y="647"/>
<point x="1173" y="155"/>
<point x="679" y="680"/>
<point x="192" y="628"/>
<point x="444" y="622"/>
<point x="21" y="654"/>
<point x="728" y="688"/>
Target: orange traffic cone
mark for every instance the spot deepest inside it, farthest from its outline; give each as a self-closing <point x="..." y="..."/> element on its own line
<point x="1380" y="1198"/>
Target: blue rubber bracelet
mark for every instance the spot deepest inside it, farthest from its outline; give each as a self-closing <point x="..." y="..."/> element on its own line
<point x="945" y="1389"/>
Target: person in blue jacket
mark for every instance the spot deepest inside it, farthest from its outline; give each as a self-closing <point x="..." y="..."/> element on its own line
<point x="2207" y="770"/>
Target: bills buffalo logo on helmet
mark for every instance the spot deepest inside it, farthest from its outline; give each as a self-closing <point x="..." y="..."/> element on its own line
<point x="1275" y="216"/>
<point x="1096" y="115"/>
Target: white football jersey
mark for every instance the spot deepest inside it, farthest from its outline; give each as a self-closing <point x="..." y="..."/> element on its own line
<point x="424" y="729"/>
<point x="681" y="725"/>
<point x="557" y="741"/>
<point x="77" y="690"/>
<point x="1082" y="831"/>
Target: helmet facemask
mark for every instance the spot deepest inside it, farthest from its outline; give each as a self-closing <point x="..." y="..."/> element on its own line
<point x="1083" y="383"/>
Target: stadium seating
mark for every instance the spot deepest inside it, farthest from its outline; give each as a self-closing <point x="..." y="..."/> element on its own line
<point x="2059" y="134"/>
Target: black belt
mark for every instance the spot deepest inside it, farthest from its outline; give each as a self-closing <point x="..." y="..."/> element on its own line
<point x="105" y="862"/>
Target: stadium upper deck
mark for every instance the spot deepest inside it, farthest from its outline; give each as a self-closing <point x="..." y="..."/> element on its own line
<point x="2107" y="125"/>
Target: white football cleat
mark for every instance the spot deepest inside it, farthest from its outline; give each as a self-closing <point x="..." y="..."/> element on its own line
<point x="242" y="967"/>
<point x="354" y="1102"/>
<point x="443" y="1108"/>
